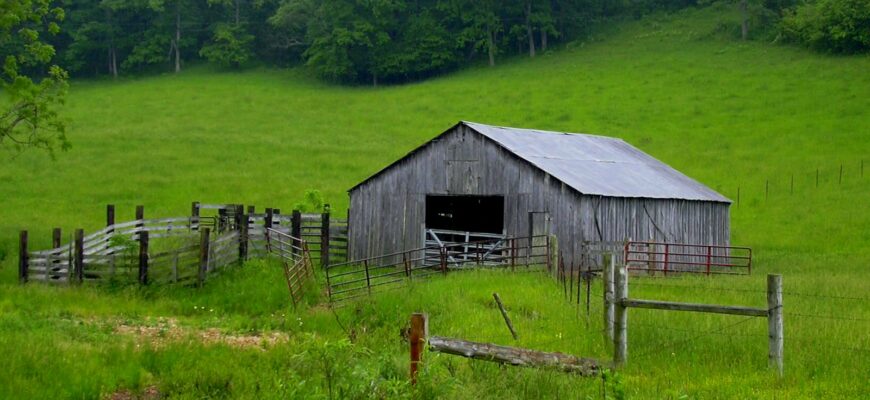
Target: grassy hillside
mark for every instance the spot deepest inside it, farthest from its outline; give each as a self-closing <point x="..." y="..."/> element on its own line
<point x="733" y="115"/>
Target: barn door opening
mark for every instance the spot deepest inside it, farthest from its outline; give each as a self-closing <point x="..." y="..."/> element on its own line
<point x="464" y="225"/>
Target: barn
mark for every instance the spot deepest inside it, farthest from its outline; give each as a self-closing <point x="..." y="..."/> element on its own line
<point x="478" y="181"/>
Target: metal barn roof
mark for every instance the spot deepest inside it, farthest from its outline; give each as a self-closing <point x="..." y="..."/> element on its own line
<point x="594" y="165"/>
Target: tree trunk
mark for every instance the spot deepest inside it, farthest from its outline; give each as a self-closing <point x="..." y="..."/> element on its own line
<point x="543" y="40"/>
<point x="177" y="37"/>
<point x="744" y="28"/>
<point x="237" y="13"/>
<point x="491" y="42"/>
<point x="529" y="32"/>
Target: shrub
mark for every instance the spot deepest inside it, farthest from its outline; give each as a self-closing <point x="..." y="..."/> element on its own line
<point x="839" y="26"/>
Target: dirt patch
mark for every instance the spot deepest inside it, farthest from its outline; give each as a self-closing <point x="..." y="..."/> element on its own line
<point x="150" y="393"/>
<point x="161" y="331"/>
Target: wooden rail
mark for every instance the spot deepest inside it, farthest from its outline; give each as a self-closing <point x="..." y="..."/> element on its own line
<point x="617" y="304"/>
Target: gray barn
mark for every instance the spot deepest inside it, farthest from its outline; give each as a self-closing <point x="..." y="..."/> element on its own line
<point x="488" y="179"/>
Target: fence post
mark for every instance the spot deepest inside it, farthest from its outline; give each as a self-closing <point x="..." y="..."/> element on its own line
<point x="55" y="238"/>
<point x="110" y="214"/>
<point x="194" y="216"/>
<point x="267" y="224"/>
<point x="22" y="257"/>
<point x="140" y="215"/>
<point x="296" y="230"/>
<point x="667" y="256"/>
<point x="709" y="255"/>
<point x="324" y="237"/>
<point x="620" y="340"/>
<point x="774" y="321"/>
<point x="203" y="256"/>
<point x="417" y="336"/>
<point x="143" y="258"/>
<point x="368" y="278"/>
<point x="443" y="260"/>
<point x="607" y="281"/>
<point x="78" y="261"/>
<point x="513" y="254"/>
<point x="242" y="224"/>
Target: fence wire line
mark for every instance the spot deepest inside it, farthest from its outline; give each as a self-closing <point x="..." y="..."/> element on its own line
<point x="828" y="317"/>
<point x="674" y="344"/>
<point x="827" y="296"/>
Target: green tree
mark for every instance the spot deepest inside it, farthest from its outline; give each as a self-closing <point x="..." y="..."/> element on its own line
<point x="33" y="88"/>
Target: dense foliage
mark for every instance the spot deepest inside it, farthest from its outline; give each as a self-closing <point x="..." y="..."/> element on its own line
<point x="371" y="41"/>
<point x="28" y="106"/>
<point x="841" y="26"/>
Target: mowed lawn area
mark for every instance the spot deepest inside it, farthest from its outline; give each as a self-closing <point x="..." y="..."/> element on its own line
<point x="776" y="123"/>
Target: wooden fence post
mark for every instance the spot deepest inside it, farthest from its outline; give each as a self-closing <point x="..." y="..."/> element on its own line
<point x="203" y="256"/>
<point x="79" y="255"/>
<point x="417" y="336"/>
<point x="194" y="216"/>
<point x="55" y="238"/>
<point x="22" y="257"/>
<point x="140" y="214"/>
<point x="774" y="322"/>
<point x="267" y="224"/>
<point x="443" y="260"/>
<point x="368" y="277"/>
<point x="296" y="230"/>
<point x="143" y="258"/>
<point x="242" y="225"/>
<point x="620" y="340"/>
<point x="504" y="314"/>
<point x="324" y="237"/>
<point x="607" y="280"/>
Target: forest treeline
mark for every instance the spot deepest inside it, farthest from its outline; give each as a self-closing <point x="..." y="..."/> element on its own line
<point x="372" y="41"/>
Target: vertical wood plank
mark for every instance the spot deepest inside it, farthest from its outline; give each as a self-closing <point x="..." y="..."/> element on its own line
<point x="140" y="215"/>
<point x="242" y="226"/>
<point x="55" y="238"/>
<point x="194" y="216"/>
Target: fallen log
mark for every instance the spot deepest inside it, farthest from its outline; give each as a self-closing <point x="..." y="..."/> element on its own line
<point x="514" y="356"/>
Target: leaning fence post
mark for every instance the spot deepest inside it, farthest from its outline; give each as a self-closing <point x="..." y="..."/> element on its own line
<point x="324" y="237"/>
<point x="620" y="341"/>
<point x="203" y="256"/>
<point x="504" y="314"/>
<point x="143" y="258"/>
<point x="368" y="277"/>
<point x="22" y="257"/>
<point x="609" y="310"/>
<point x="417" y="336"/>
<point x="774" y="321"/>
<point x="296" y="230"/>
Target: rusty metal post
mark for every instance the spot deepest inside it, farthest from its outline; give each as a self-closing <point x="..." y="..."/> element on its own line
<point x="368" y="277"/>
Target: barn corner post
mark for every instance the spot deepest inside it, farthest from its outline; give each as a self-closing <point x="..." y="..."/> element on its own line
<point x="417" y="336"/>
<point x="620" y="338"/>
<point x="79" y="261"/>
<point x="23" y="257"/>
<point x="775" y="322"/>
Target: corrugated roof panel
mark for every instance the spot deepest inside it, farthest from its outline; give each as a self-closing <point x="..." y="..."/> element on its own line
<point x="598" y="165"/>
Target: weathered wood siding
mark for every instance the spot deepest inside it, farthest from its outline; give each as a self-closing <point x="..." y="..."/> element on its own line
<point x="387" y="213"/>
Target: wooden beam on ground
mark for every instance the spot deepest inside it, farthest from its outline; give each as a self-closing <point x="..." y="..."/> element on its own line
<point x="705" y="308"/>
<point x="514" y="356"/>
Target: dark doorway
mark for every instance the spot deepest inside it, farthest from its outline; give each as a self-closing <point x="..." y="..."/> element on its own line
<point x="483" y="214"/>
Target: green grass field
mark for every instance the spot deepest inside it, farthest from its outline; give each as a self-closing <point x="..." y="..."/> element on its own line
<point x="729" y="114"/>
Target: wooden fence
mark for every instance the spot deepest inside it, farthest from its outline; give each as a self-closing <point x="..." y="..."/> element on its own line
<point x="178" y="249"/>
<point x="617" y="303"/>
